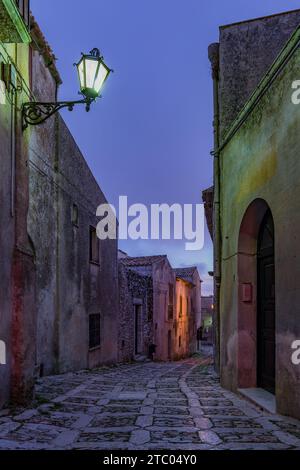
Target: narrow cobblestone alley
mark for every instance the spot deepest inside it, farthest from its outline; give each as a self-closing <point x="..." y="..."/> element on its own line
<point x="143" y="406"/>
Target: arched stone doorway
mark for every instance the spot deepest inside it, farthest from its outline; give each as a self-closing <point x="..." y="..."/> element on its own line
<point x="256" y="298"/>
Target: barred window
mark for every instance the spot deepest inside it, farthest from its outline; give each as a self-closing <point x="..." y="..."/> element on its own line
<point x="94" y="330"/>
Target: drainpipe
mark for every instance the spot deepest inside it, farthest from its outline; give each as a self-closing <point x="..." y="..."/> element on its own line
<point x="57" y="317"/>
<point x="213" y="55"/>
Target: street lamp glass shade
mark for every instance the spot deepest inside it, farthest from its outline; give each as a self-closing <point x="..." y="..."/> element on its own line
<point x="92" y="73"/>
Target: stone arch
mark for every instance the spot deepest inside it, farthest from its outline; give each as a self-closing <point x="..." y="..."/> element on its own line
<point x="247" y="292"/>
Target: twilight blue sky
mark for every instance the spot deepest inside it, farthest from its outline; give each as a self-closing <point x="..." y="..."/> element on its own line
<point x="150" y="136"/>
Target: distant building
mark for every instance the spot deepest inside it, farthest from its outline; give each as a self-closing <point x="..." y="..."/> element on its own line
<point x="159" y="307"/>
<point x="207" y="318"/>
<point x="188" y="279"/>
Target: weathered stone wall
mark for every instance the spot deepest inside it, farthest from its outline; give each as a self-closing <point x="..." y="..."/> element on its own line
<point x="247" y="50"/>
<point x="85" y="287"/>
<point x="6" y="238"/>
<point x="163" y="276"/>
<point x="195" y="318"/>
<point x="69" y="287"/>
<point x="181" y="344"/>
<point x="42" y="218"/>
<point x="17" y="292"/>
<point x="134" y="289"/>
<point x="261" y="162"/>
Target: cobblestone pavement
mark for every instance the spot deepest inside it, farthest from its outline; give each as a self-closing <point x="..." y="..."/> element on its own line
<point x="143" y="406"/>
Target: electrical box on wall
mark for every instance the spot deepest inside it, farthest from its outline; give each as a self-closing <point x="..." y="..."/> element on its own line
<point x="247" y="292"/>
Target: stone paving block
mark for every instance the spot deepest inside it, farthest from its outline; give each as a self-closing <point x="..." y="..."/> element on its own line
<point x="175" y="436"/>
<point x="196" y="411"/>
<point x="65" y="439"/>
<point x="171" y="410"/>
<point x="139" y="437"/>
<point x="144" y="421"/>
<point x="173" y="421"/>
<point x="132" y="395"/>
<point x="116" y="409"/>
<point x="26" y="415"/>
<point x="111" y="421"/>
<point x="235" y="423"/>
<point x="286" y="438"/>
<point x="209" y="437"/>
<point x="203" y="423"/>
<point x="82" y="421"/>
<point x="146" y="410"/>
<point x="7" y="428"/>
<point x="220" y="412"/>
<point x="39" y="433"/>
<point x="107" y="437"/>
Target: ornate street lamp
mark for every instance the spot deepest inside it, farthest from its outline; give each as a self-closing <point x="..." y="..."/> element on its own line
<point x="92" y="73"/>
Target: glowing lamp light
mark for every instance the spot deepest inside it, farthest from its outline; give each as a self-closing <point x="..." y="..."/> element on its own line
<point x="92" y="73"/>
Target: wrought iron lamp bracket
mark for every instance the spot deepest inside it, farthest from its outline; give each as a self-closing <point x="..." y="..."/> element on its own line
<point x="34" y="113"/>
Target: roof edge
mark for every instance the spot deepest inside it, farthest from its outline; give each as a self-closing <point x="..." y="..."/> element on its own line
<point x="259" y="18"/>
<point x="280" y="62"/>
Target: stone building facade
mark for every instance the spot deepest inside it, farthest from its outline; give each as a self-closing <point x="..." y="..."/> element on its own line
<point x="188" y="286"/>
<point x="58" y="298"/>
<point x="158" y="306"/>
<point x="256" y="206"/>
<point x="136" y="313"/>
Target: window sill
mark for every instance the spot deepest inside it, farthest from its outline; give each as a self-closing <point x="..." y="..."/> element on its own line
<point x="95" y="263"/>
<point x="96" y="348"/>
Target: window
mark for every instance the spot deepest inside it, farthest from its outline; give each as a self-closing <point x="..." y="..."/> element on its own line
<point x="94" y="330"/>
<point x="94" y="246"/>
<point x="180" y="307"/>
<point x="187" y="305"/>
<point x="75" y="215"/>
<point x="170" y="294"/>
<point x="170" y="304"/>
<point x="149" y="308"/>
